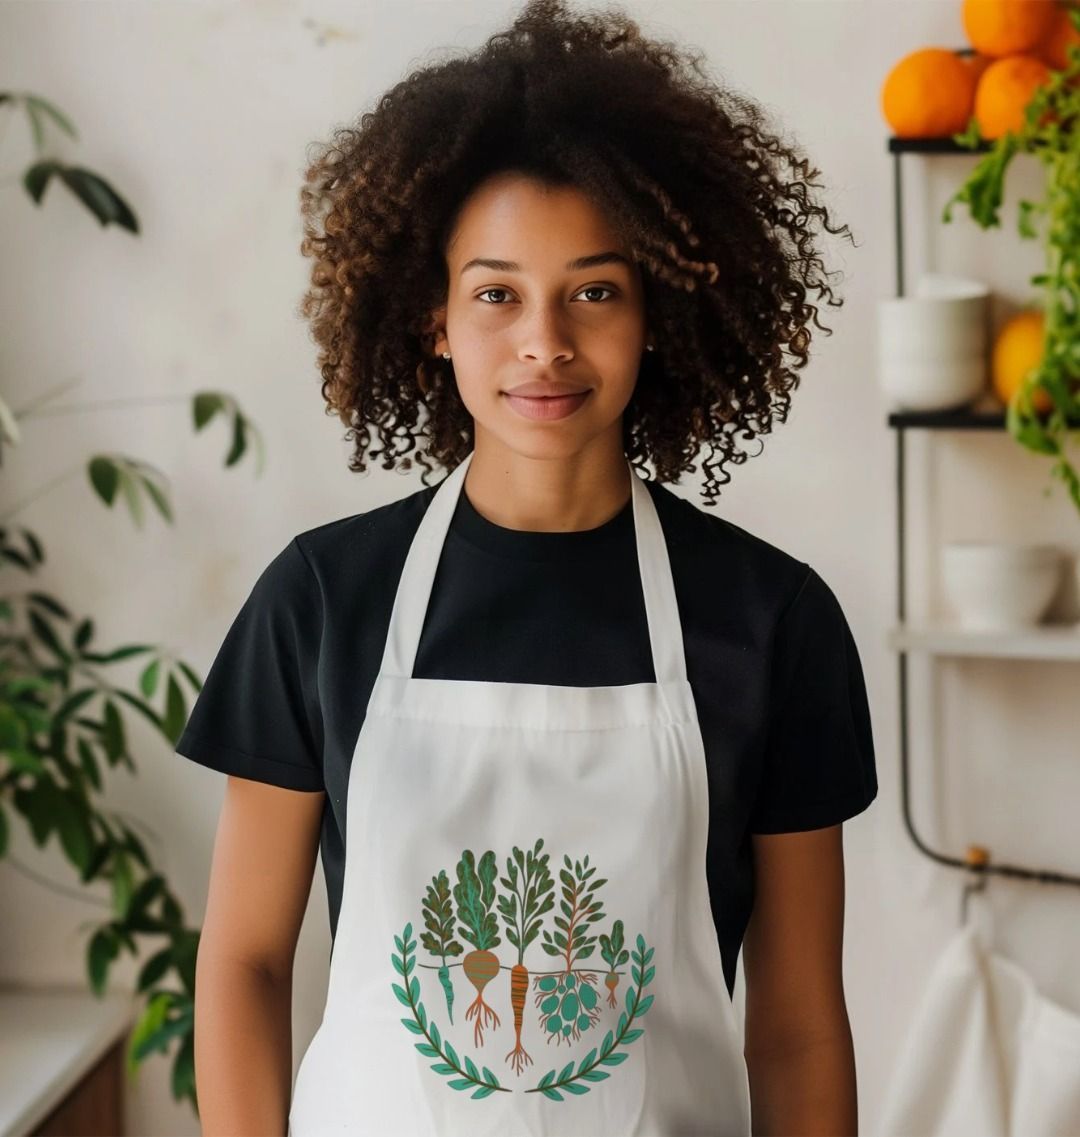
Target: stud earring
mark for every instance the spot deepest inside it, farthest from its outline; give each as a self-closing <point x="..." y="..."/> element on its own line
<point x="650" y="347"/>
<point x="446" y="355"/>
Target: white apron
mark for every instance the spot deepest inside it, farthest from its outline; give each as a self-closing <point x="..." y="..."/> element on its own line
<point x="987" y="1054"/>
<point x="525" y="943"/>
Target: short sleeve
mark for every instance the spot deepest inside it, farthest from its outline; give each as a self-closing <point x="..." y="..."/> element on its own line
<point x="819" y="767"/>
<point x="257" y="715"/>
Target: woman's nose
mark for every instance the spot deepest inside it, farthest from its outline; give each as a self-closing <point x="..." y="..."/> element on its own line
<point x="544" y="336"/>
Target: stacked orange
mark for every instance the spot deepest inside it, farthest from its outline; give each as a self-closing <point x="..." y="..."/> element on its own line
<point x="1018" y="348"/>
<point x="933" y="92"/>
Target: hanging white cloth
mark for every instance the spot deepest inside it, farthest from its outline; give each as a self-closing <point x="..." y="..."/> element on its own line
<point x="986" y="1054"/>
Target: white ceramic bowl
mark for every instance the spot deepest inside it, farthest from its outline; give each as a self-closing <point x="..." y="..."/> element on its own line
<point x="933" y="347"/>
<point x="933" y="384"/>
<point x="997" y="586"/>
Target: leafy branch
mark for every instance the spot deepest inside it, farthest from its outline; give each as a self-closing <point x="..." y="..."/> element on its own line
<point x="579" y="911"/>
<point x="529" y="895"/>
<point x="53" y="753"/>
<point x="465" y="1075"/>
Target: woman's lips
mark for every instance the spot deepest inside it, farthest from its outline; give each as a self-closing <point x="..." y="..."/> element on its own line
<point x="553" y="407"/>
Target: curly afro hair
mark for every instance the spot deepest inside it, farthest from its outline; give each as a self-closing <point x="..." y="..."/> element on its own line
<point x="716" y="210"/>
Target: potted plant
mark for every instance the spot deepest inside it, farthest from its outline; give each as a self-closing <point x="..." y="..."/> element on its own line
<point x="62" y="720"/>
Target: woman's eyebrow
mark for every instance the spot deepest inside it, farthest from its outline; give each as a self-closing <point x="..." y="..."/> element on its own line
<point x="590" y="261"/>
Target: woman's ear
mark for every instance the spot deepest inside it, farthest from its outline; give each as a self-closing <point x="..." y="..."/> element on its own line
<point x="435" y="328"/>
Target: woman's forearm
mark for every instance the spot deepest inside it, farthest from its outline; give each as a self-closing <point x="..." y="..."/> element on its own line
<point x="807" y="1091"/>
<point x="243" y="1049"/>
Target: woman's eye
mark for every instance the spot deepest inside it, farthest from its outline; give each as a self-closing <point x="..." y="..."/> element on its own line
<point x="590" y="288"/>
<point x="598" y="288"/>
<point x="489" y="290"/>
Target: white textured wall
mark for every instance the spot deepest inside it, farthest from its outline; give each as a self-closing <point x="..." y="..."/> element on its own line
<point x="199" y="113"/>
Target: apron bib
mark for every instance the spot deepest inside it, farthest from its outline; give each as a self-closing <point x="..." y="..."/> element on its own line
<point x="525" y="944"/>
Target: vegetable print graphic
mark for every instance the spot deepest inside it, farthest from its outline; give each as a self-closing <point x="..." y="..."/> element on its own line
<point x="528" y="897"/>
<point x="567" y="1004"/>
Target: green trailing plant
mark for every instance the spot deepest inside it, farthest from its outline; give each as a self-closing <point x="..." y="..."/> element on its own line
<point x="1050" y="133"/>
<point x="64" y="722"/>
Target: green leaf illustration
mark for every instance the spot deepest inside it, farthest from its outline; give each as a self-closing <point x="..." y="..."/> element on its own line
<point x="463" y="1076"/>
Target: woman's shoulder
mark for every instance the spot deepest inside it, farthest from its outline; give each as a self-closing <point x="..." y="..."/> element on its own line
<point x="707" y="547"/>
<point x="372" y="533"/>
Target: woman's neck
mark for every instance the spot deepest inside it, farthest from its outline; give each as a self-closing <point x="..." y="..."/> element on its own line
<point x="549" y="495"/>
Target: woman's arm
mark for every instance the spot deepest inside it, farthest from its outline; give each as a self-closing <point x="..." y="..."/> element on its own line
<point x="798" y="1045"/>
<point x="264" y="857"/>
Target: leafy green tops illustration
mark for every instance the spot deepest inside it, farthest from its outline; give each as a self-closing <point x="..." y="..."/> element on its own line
<point x="568" y="1002"/>
<point x="529" y="894"/>
<point x="566" y="997"/>
<point x="611" y="949"/>
<point x="439" y="937"/>
<point x="475" y="895"/>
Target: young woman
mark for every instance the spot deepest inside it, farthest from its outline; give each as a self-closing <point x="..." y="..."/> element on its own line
<point x="567" y="741"/>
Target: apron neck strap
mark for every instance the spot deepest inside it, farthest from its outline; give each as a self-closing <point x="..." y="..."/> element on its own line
<point x="418" y="577"/>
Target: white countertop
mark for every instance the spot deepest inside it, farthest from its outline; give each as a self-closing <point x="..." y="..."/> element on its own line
<point x="49" y="1038"/>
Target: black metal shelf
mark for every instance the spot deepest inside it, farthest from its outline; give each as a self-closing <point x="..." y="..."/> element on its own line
<point x="963" y="419"/>
<point x="944" y="145"/>
<point x="978" y="859"/>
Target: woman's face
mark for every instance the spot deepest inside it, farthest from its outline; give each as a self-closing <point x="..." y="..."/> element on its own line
<point x="522" y="316"/>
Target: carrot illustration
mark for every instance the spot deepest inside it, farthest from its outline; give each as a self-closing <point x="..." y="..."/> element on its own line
<point x="439" y="938"/>
<point x="475" y="894"/>
<point x="568" y="1002"/>
<point x="614" y="956"/>
<point x="529" y="894"/>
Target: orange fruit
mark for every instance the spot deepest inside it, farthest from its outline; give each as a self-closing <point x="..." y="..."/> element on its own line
<point x="1003" y="92"/>
<point x="928" y="94"/>
<point x="978" y="63"/>
<point x="1018" y="347"/>
<point x="1006" y="27"/>
<point x="1060" y="35"/>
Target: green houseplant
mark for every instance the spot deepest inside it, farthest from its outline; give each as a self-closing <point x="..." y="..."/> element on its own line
<point x="1049" y="132"/>
<point x="62" y="720"/>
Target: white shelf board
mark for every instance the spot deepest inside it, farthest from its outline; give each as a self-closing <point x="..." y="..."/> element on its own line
<point x="50" y="1037"/>
<point x="1045" y="641"/>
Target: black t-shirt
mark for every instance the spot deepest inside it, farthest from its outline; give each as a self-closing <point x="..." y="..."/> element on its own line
<point x="774" y="669"/>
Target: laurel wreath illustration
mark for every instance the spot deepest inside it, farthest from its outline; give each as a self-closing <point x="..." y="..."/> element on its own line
<point x="566" y="998"/>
